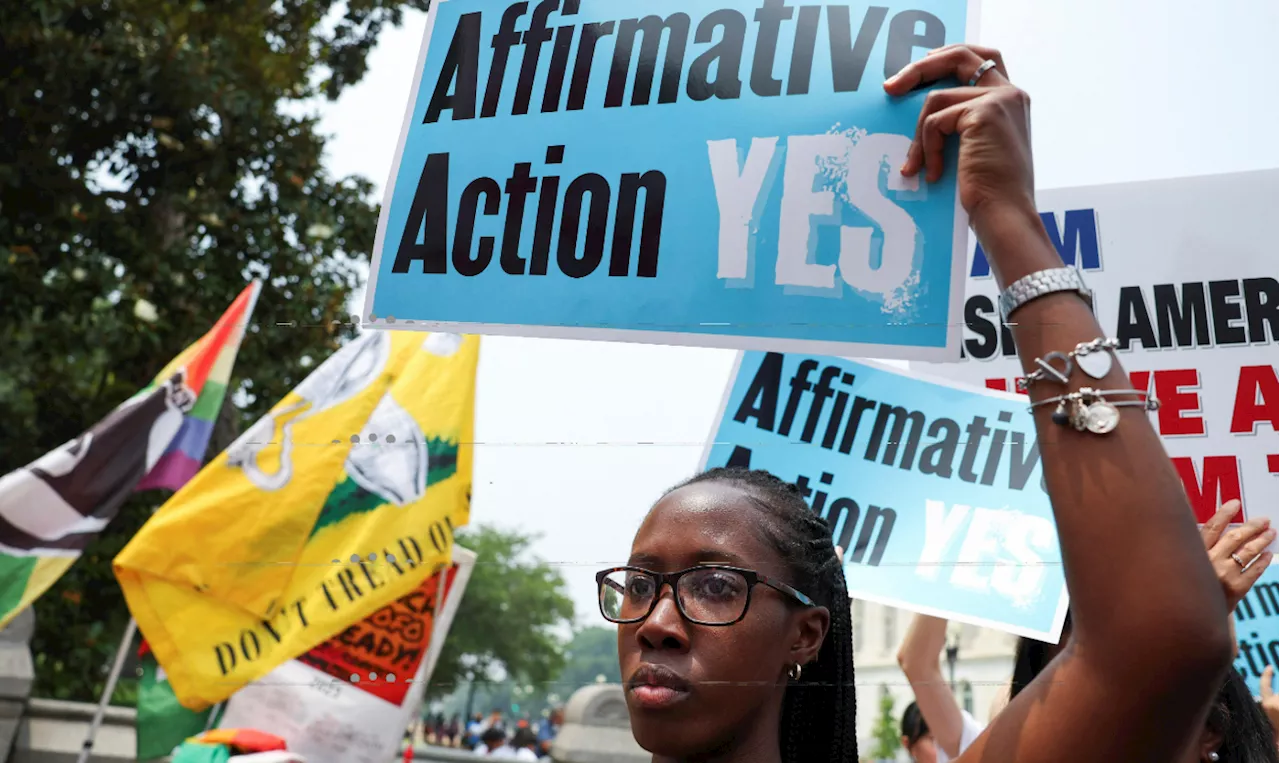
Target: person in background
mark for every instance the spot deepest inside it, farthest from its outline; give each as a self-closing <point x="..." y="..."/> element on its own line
<point x="953" y="729"/>
<point x="523" y="745"/>
<point x="492" y="741"/>
<point x="494" y="721"/>
<point x="451" y="732"/>
<point x="474" y="730"/>
<point x="917" y="740"/>
<point x="547" y="731"/>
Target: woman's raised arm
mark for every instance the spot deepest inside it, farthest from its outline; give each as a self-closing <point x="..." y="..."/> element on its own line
<point x="1150" y="637"/>
<point x="918" y="657"/>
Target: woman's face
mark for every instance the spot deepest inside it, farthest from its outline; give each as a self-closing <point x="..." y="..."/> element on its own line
<point x="692" y="688"/>
<point x="923" y="751"/>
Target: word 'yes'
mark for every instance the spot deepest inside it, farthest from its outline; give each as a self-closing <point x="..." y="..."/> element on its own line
<point x="979" y="565"/>
<point x="740" y="198"/>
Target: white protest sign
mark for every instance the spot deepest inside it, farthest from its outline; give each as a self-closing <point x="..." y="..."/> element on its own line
<point x="1184" y="274"/>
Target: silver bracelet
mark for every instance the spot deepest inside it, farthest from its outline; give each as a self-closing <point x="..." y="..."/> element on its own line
<point x="1088" y="408"/>
<point x="1094" y="358"/>
<point x="1040" y="284"/>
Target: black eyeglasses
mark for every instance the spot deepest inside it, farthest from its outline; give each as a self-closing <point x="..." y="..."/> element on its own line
<point x="709" y="594"/>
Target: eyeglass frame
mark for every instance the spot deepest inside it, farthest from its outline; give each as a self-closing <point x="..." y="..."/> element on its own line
<point x="673" y="578"/>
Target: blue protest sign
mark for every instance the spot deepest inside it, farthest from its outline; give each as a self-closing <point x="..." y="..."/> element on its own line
<point x="1257" y="628"/>
<point x="673" y="171"/>
<point x="933" y="490"/>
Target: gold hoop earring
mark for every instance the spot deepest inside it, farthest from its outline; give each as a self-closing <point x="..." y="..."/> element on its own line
<point x="794" y="672"/>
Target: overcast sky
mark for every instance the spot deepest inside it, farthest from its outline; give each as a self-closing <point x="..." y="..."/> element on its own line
<point x="577" y="439"/>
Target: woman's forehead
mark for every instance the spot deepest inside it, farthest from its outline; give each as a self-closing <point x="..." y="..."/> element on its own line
<point x="704" y="522"/>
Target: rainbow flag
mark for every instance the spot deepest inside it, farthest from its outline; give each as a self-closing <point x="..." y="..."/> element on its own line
<point x="51" y="508"/>
<point x="208" y="374"/>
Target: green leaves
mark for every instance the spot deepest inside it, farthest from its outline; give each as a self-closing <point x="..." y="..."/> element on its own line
<point x="885" y="734"/>
<point x="510" y="615"/>
<point x="147" y="157"/>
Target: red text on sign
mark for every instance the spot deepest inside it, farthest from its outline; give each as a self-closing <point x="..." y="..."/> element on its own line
<point x="1257" y="399"/>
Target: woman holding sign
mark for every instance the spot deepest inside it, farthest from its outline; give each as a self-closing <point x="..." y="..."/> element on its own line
<point x="734" y="637"/>
<point x="1105" y="468"/>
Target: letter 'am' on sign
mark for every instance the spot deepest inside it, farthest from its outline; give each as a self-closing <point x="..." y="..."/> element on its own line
<point x="651" y="171"/>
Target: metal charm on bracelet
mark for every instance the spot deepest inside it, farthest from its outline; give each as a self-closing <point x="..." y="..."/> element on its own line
<point x="1048" y="372"/>
<point x="1088" y="408"/>
<point x="1094" y="358"/>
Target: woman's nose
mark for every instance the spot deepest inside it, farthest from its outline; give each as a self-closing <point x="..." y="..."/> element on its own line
<point x="665" y="627"/>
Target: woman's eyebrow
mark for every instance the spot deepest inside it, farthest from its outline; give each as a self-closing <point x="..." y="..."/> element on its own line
<point x="701" y="556"/>
<point x="718" y="556"/>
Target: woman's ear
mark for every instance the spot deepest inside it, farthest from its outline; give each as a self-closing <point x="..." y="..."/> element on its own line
<point x="906" y="744"/>
<point x="1210" y="741"/>
<point x="812" y="625"/>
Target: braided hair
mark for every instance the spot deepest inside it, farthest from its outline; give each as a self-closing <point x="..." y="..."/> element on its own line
<point x="819" y="711"/>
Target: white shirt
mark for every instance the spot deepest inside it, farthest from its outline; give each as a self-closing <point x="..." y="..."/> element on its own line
<point x="969" y="731"/>
<point x="524" y="753"/>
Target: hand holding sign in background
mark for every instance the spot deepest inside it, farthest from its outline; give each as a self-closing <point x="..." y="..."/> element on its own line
<point x="1238" y="555"/>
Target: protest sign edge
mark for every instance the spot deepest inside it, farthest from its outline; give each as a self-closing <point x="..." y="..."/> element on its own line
<point x="388" y="191"/>
<point x="465" y="562"/>
<point x="935" y="354"/>
<point x="724" y="405"/>
<point x="1051" y="636"/>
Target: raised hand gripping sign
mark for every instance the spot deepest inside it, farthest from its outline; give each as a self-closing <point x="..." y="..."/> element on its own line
<point x="706" y="173"/>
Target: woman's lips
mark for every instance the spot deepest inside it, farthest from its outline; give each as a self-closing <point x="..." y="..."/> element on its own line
<point x="656" y="697"/>
<point x="654" y="687"/>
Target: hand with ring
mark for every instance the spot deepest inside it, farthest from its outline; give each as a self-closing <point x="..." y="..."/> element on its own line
<point x="1239" y="555"/>
<point x="992" y="118"/>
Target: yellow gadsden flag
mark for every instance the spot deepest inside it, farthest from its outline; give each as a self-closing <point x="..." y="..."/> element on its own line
<point x="341" y="500"/>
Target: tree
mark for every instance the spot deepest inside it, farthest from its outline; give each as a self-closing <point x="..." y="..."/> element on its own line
<point x="154" y="156"/>
<point x="507" y="623"/>
<point x="593" y="652"/>
<point x="885" y="733"/>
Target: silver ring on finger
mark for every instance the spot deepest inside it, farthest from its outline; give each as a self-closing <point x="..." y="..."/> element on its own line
<point x="1245" y="567"/>
<point x="985" y="67"/>
<point x="1236" y="558"/>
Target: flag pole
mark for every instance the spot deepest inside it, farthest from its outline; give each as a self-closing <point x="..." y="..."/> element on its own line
<point x="122" y="653"/>
<point x="213" y="716"/>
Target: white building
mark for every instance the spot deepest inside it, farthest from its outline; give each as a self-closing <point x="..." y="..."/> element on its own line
<point x="984" y="663"/>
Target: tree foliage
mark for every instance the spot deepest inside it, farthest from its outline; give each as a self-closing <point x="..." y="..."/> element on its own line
<point x="159" y="154"/>
<point x="885" y="733"/>
<point x="592" y="653"/>
<point x="508" y="623"/>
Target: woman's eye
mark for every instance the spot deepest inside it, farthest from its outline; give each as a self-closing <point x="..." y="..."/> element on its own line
<point x="718" y="586"/>
<point x="638" y="587"/>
